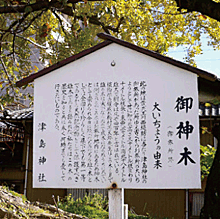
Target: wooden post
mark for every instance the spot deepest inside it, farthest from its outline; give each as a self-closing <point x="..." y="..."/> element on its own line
<point x="125" y="211"/>
<point x="116" y="203"/>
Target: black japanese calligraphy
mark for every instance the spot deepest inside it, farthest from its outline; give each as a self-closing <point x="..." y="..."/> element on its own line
<point x="42" y="160"/>
<point x="170" y="142"/>
<point x="184" y="103"/>
<point x="186" y="157"/>
<point x="42" y="126"/>
<point x="103" y="131"/>
<point x="156" y="114"/>
<point x="41" y="177"/>
<point x="42" y="144"/>
<point x="184" y="129"/>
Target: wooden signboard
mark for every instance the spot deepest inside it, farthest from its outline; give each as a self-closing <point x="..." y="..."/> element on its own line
<point x="116" y="117"/>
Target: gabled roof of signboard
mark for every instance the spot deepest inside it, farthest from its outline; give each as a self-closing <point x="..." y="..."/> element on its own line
<point x="108" y="40"/>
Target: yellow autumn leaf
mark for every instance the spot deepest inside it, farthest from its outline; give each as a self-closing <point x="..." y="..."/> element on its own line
<point x="207" y="104"/>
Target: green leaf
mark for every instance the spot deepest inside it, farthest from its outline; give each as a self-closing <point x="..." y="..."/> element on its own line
<point x="28" y="9"/>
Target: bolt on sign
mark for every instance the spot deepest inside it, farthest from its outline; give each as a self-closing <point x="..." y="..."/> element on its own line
<point x="116" y="116"/>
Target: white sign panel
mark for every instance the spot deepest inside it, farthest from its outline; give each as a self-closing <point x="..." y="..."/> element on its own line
<point x="134" y="124"/>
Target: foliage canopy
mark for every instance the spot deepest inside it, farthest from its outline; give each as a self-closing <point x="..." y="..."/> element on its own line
<point x="207" y="154"/>
<point x="36" y="33"/>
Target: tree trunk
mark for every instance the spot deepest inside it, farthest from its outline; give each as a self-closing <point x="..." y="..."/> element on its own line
<point x="211" y="208"/>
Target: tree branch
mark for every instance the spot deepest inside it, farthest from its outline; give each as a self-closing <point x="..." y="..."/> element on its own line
<point x="22" y="8"/>
<point x="39" y="5"/>
<point x="36" y="44"/>
<point x="60" y="21"/>
<point x="95" y="20"/>
<point x="207" y="7"/>
<point x="6" y="72"/>
<point x="31" y="21"/>
<point x="13" y="46"/>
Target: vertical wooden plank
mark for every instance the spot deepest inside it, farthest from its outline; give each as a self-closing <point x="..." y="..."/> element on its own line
<point x="125" y="211"/>
<point x="116" y="203"/>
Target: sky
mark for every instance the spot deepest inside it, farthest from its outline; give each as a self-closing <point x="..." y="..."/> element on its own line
<point x="208" y="61"/>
